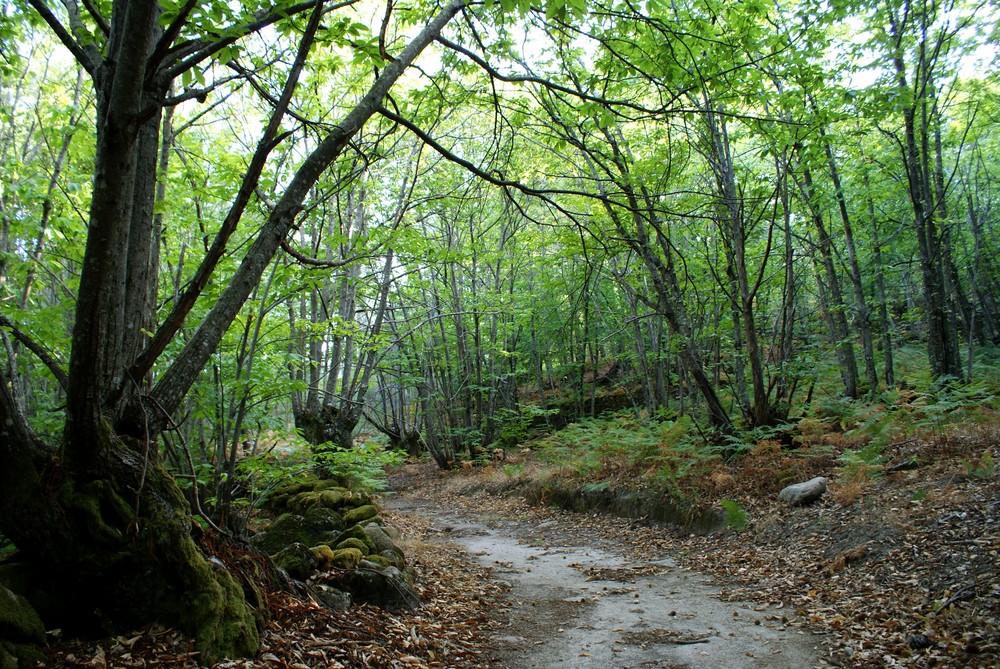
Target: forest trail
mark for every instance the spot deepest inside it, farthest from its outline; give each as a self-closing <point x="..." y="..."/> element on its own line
<point x="582" y="601"/>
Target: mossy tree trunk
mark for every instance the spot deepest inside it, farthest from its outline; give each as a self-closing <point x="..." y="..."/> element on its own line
<point x="98" y="513"/>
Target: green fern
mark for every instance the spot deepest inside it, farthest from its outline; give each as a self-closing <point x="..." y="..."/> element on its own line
<point x="736" y="515"/>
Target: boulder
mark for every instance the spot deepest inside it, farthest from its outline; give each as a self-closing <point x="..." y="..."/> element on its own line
<point x="384" y="588"/>
<point x="297" y="560"/>
<point x="21" y="631"/>
<point x="800" y="494"/>
<point x="360" y="514"/>
<point x="384" y="545"/>
<point x="351" y="542"/>
<point x="346" y="558"/>
<point x="323" y="554"/>
<point x="331" y="597"/>
<point x="356" y="532"/>
<point x="318" y="526"/>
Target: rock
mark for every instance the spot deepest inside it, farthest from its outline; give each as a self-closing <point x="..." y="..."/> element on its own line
<point x="18" y="621"/>
<point x="379" y="538"/>
<point x="356" y="532"/>
<point x="318" y="526"/>
<point x="297" y="560"/>
<point x="351" y="542"/>
<point x="346" y="558"/>
<point x="800" y="494"/>
<point x="393" y="533"/>
<point x="323" y="554"/>
<point x="375" y="562"/>
<point x="21" y="631"/>
<point x="331" y="597"/>
<point x="323" y="519"/>
<point x="385" y="588"/>
<point x="360" y="514"/>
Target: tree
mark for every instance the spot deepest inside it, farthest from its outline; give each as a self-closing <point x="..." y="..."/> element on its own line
<point x="98" y="507"/>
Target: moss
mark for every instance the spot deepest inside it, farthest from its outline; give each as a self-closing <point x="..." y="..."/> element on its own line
<point x="18" y="620"/>
<point x="297" y="560"/>
<point x="334" y="499"/>
<point x="379" y="561"/>
<point x="347" y="558"/>
<point x="323" y="555"/>
<point x="216" y="613"/>
<point x="304" y="501"/>
<point x="360" y="514"/>
<point x="352" y="542"/>
<point x="97" y="505"/>
<point x="356" y="532"/>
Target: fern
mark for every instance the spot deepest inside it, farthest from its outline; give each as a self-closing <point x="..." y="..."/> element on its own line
<point x="736" y="515"/>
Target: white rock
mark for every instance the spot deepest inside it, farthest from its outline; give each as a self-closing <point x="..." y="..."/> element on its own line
<point x="800" y="494"/>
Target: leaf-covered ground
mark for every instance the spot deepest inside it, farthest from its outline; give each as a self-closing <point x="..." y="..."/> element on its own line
<point x="897" y="569"/>
<point x="451" y="629"/>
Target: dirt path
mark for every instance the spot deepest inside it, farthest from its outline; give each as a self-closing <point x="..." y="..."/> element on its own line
<point x="581" y="602"/>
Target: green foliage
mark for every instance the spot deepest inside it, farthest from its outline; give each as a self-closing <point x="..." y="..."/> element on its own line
<point x="513" y="424"/>
<point x="659" y="453"/>
<point x="597" y="487"/>
<point x="362" y="467"/>
<point x="736" y="515"/>
<point x="512" y="470"/>
<point x="949" y="403"/>
<point x="863" y="463"/>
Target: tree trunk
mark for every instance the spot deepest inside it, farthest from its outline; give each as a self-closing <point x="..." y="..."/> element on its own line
<point x="834" y="303"/>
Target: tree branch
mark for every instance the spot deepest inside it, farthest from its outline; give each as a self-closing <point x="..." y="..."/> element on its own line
<point x="36" y="348"/>
<point x="176" y="381"/>
<point x="185" y="302"/>
<point x="87" y="58"/>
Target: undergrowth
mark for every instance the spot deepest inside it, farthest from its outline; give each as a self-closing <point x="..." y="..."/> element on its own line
<point x="850" y="441"/>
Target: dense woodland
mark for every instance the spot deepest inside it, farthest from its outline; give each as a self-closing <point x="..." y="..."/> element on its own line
<point x="448" y="224"/>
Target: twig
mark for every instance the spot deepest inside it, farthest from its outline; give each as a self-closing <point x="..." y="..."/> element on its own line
<point x="965" y="592"/>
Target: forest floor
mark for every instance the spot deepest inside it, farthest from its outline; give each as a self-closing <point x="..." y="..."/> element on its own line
<point x="900" y="570"/>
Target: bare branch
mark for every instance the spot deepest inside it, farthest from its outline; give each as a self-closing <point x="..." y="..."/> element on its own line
<point x="40" y="351"/>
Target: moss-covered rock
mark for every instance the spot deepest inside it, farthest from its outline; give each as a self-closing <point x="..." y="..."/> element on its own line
<point x="385" y="588"/>
<point x="7" y="660"/>
<point x="380" y="538"/>
<point x="18" y="620"/>
<point x="351" y="542"/>
<point x="318" y="527"/>
<point x="360" y="514"/>
<point x="375" y="562"/>
<point x="297" y="560"/>
<point x="21" y="631"/>
<point x="323" y="555"/>
<point x="393" y="533"/>
<point x="323" y="519"/>
<point x="335" y="498"/>
<point x="346" y="558"/>
<point x="332" y="598"/>
<point x="356" y="532"/>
